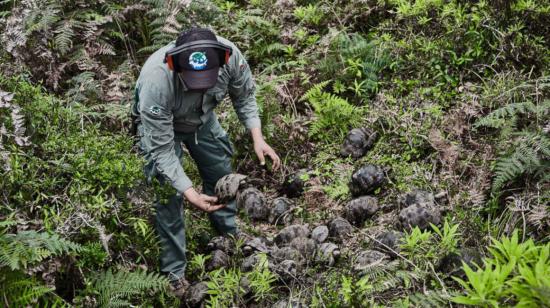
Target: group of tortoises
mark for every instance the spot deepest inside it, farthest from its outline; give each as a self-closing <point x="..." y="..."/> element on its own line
<point x="298" y="246"/>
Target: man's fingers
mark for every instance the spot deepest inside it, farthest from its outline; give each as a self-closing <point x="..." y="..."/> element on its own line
<point x="275" y="158"/>
<point x="210" y="198"/>
<point x="213" y="208"/>
<point x="261" y="157"/>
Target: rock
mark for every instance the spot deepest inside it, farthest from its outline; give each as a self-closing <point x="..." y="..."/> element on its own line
<point x="196" y="294"/>
<point x="287" y="234"/>
<point x="319" y="234"/>
<point x="451" y="264"/>
<point x="388" y="241"/>
<point x="368" y="259"/>
<point x="250" y="262"/>
<point x="257" y="244"/>
<point x="254" y="203"/>
<point x="288" y="303"/>
<point x="222" y="243"/>
<point x="227" y="187"/>
<point x="293" y="185"/>
<point x="287" y="253"/>
<point x="305" y="246"/>
<point x="358" y="142"/>
<point x="281" y="211"/>
<point x="418" y="197"/>
<point x="339" y="228"/>
<point x="358" y="210"/>
<point x="419" y="216"/>
<point x="217" y="260"/>
<point x="367" y="179"/>
<point x="287" y="270"/>
<point x="328" y="253"/>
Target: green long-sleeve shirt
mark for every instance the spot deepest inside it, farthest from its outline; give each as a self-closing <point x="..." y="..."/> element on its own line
<point x="163" y="104"/>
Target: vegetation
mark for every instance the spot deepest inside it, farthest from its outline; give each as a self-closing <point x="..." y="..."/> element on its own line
<point x="458" y="92"/>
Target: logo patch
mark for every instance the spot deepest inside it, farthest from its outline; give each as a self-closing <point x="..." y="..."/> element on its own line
<point x="154" y="110"/>
<point x="198" y="60"/>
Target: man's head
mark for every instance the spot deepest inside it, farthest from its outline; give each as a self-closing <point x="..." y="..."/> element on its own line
<point x="199" y="66"/>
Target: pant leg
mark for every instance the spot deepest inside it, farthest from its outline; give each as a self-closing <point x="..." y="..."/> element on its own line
<point x="212" y="151"/>
<point x="169" y="219"/>
<point x="170" y="226"/>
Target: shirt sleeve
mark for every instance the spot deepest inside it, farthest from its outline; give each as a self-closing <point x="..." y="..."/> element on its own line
<point x="158" y="135"/>
<point x="242" y="90"/>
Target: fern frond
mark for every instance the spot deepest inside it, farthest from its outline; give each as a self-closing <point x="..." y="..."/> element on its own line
<point x="64" y="37"/>
<point x="430" y="299"/>
<point x="530" y="155"/>
<point x="18" y="290"/>
<point x="501" y="116"/>
<point x="114" y="288"/>
<point x="19" y="250"/>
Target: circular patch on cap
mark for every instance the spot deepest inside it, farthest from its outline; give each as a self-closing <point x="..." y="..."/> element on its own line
<point x="198" y="60"/>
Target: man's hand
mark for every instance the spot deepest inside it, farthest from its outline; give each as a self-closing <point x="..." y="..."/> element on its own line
<point x="201" y="201"/>
<point x="262" y="148"/>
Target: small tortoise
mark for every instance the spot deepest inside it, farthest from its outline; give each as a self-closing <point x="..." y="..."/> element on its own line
<point x="287" y="270"/>
<point x="451" y="264"/>
<point x="320" y="233"/>
<point x="217" y="260"/>
<point x="196" y="294"/>
<point x="328" y="253"/>
<point x="222" y="243"/>
<point x="419" y="216"/>
<point x="293" y="185"/>
<point x="257" y="244"/>
<point x="358" y="210"/>
<point x="254" y="203"/>
<point x="367" y="179"/>
<point x="389" y="242"/>
<point x="287" y="253"/>
<point x="417" y="196"/>
<point x="358" y="142"/>
<point x="287" y="234"/>
<point x="281" y="211"/>
<point x="304" y="246"/>
<point x="339" y="228"/>
<point x="369" y="259"/>
<point x="250" y="262"/>
<point x="227" y="187"/>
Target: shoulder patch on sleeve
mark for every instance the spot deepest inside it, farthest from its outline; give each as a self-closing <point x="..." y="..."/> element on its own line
<point x="155" y="110"/>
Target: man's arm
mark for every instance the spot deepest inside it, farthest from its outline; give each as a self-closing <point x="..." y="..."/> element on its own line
<point x="242" y="91"/>
<point x="158" y="135"/>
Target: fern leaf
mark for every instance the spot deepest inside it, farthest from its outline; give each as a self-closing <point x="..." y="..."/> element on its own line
<point x="114" y="288"/>
<point x="64" y="37"/>
<point x="19" y="250"/>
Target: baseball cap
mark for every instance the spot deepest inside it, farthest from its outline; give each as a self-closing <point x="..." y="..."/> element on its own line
<point x="199" y="65"/>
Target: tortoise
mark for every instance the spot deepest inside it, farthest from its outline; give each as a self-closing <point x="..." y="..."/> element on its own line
<point x="358" y="141"/>
<point x="281" y="211"/>
<point x="227" y="187"/>
<point x="367" y="179"/>
<point x="320" y="233"/>
<point x="369" y="259"/>
<point x="254" y="203"/>
<point x="359" y="209"/>
<point x="419" y="216"/>
<point x="256" y="244"/>
<point x="339" y="228"/>
<point x="287" y="234"/>
<point x="328" y="253"/>
<point x="293" y="185"/>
